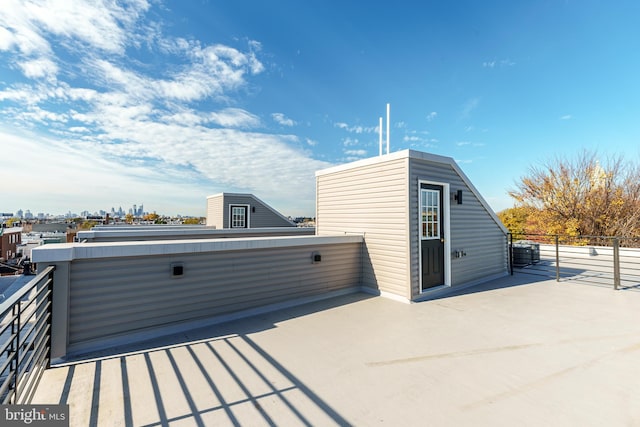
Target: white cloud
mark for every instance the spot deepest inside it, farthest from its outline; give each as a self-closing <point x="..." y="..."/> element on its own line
<point x="6" y="39"/>
<point x="350" y="142"/>
<point x="37" y="114"/>
<point x="81" y="179"/>
<point x="431" y="116"/>
<point x="566" y="117"/>
<point x="133" y="131"/>
<point x="501" y="63"/>
<point x="22" y="94"/>
<point x="468" y="143"/>
<point x="355" y="152"/>
<point x="235" y="118"/>
<point x="25" y="26"/>
<point x="310" y="142"/>
<point x="357" y="129"/>
<point x="353" y="155"/>
<point x="104" y="25"/>
<point x="283" y="120"/>
<point x="36" y="68"/>
<point x="463" y="161"/>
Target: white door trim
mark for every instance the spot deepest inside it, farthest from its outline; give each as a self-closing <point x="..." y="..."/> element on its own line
<point x="446" y="205"/>
<point x="247" y="212"/>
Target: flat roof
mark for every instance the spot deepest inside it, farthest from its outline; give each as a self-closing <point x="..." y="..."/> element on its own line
<point x="511" y="352"/>
<point x="11" y="230"/>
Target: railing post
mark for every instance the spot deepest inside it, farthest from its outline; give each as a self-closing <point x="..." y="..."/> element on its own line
<point x="17" y="359"/>
<point x="616" y="263"/>
<point x="50" y="314"/>
<point x="557" y="259"/>
<point x="13" y="349"/>
<point x="510" y="252"/>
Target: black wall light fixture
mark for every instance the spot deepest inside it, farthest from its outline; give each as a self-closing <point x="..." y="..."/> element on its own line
<point x="457" y="196"/>
<point x="177" y="269"/>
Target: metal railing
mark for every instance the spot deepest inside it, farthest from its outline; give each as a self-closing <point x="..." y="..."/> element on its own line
<point x="25" y="338"/>
<point x="602" y="260"/>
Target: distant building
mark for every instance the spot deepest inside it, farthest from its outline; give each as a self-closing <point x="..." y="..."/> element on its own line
<point x="235" y="210"/>
<point x="10" y="238"/>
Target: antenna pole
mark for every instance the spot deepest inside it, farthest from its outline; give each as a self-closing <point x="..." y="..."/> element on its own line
<point x="388" y="112"/>
<point x="380" y="131"/>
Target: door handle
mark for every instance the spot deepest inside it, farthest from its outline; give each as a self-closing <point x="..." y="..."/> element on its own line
<point x="442" y="240"/>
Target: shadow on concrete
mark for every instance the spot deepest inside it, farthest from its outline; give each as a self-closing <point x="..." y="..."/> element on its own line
<point x="236" y="378"/>
<point x="222" y="356"/>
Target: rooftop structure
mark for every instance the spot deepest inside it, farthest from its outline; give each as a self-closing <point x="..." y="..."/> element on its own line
<point x="238" y="210"/>
<point x="287" y="329"/>
<point x="427" y="229"/>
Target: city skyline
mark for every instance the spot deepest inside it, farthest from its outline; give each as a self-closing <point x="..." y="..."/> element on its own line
<point x="171" y="101"/>
<point x="135" y="210"/>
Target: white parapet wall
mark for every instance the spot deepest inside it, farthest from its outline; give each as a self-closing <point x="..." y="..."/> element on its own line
<point x="114" y="292"/>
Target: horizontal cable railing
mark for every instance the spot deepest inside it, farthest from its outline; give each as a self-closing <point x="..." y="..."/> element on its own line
<point x="599" y="260"/>
<point x="25" y="338"/>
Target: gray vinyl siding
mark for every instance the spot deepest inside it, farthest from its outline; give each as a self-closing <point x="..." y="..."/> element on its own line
<point x="370" y="200"/>
<point x="264" y="215"/>
<point x="215" y="211"/>
<point x="260" y="215"/>
<point x="472" y="229"/>
<point x="111" y="297"/>
<point x="239" y="200"/>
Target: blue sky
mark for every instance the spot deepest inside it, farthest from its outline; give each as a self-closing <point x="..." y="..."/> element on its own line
<point x="107" y="104"/>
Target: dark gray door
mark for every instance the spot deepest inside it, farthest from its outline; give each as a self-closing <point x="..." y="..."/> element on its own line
<point x="431" y="235"/>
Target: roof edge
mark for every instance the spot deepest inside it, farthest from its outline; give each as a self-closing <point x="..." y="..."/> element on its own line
<point x="402" y="154"/>
<point x="61" y="252"/>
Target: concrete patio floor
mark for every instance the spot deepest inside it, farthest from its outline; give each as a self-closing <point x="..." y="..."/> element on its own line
<point x="510" y="352"/>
